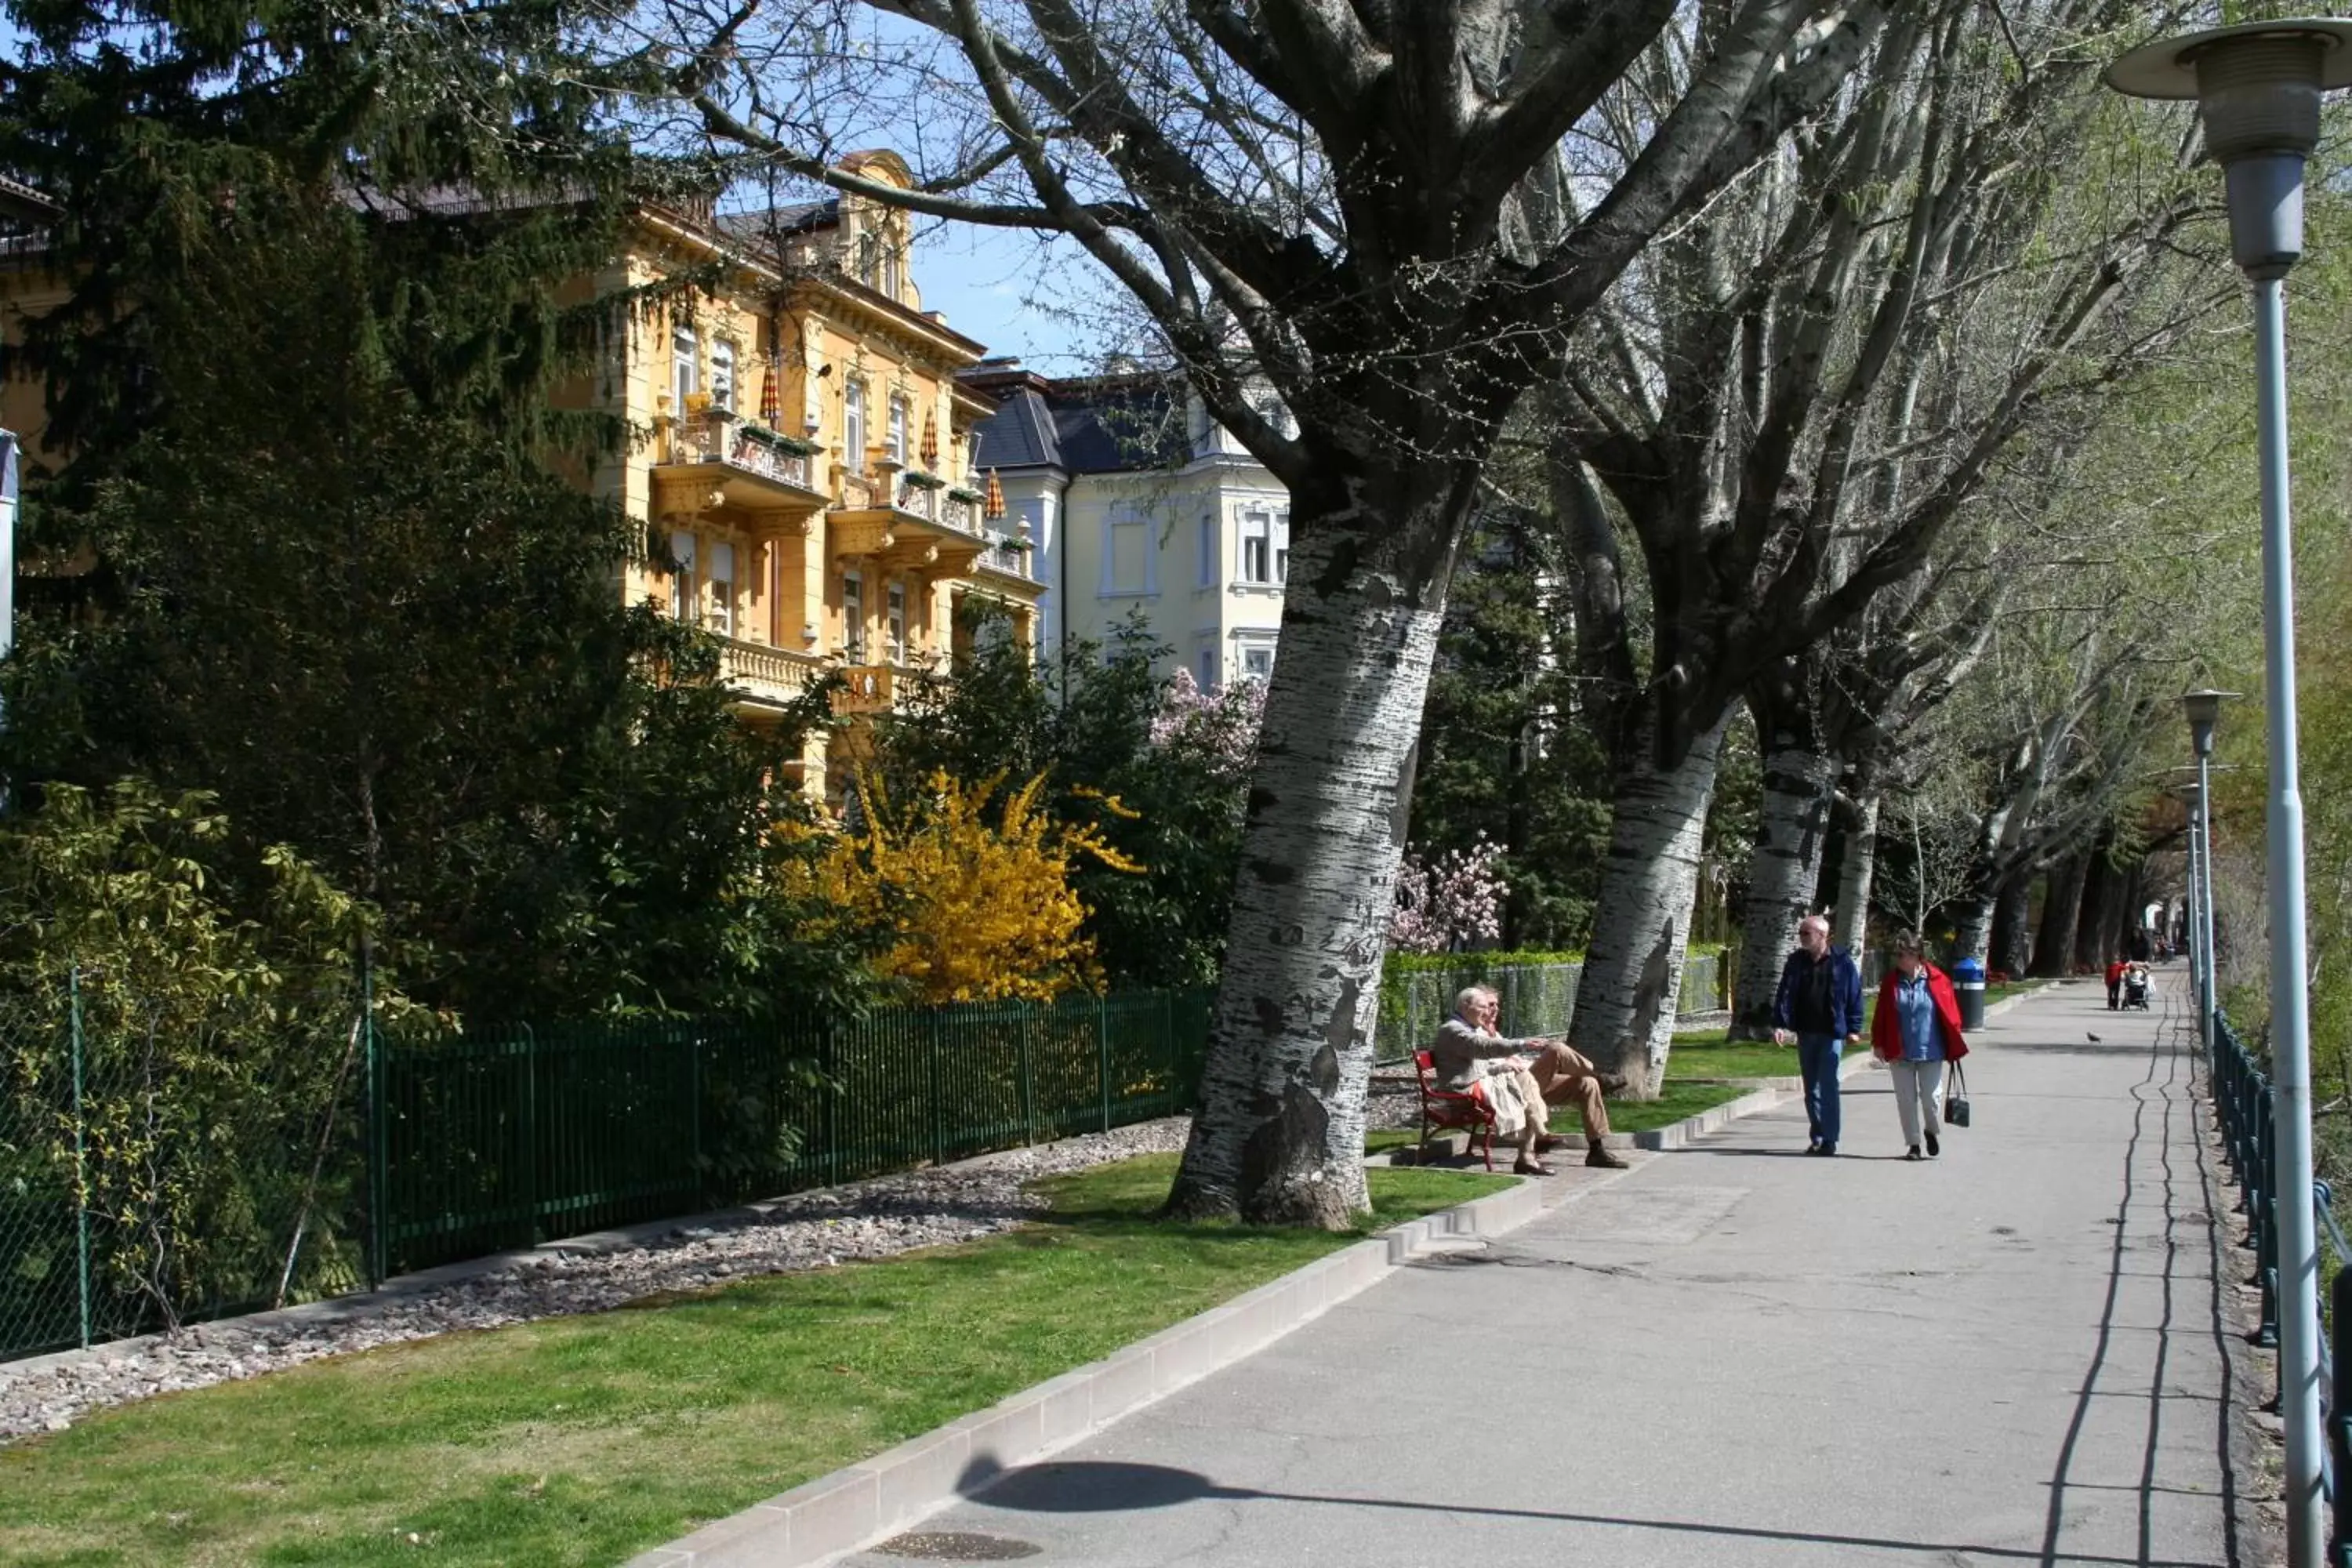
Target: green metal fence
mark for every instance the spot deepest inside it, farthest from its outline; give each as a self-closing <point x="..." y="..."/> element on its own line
<point x="514" y="1138"/>
<point x="163" y="1161"/>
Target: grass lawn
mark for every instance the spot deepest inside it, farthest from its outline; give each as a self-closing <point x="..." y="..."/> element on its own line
<point x="584" y="1440"/>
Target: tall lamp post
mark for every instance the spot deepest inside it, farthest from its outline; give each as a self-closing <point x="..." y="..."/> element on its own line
<point x="2257" y="89"/>
<point x="2204" y="709"/>
<point x="2190" y="795"/>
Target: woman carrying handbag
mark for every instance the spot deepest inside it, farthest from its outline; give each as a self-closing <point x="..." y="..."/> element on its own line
<point x="1916" y="1031"/>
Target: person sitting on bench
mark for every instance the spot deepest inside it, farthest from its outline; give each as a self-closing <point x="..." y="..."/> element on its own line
<point x="1523" y="1079"/>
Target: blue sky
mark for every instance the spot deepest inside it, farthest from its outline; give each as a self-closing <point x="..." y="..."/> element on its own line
<point x="1041" y="298"/>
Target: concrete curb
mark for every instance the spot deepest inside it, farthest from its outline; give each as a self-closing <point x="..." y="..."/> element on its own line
<point x="879" y="1497"/>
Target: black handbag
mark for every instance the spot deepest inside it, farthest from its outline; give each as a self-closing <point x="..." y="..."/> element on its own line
<point x="1956" y="1098"/>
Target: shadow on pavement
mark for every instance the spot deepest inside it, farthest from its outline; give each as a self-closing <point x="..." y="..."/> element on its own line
<point x="1086" y="1485"/>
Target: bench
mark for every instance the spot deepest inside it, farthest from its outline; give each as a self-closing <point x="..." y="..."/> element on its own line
<point x="1450" y="1109"/>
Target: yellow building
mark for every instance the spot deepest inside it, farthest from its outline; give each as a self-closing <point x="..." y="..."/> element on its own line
<point x="798" y="440"/>
<point x="807" y="454"/>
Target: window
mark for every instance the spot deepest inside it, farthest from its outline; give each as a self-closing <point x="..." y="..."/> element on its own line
<point x="1258" y="547"/>
<point x="898" y="622"/>
<point x="685" y="372"/>
<point x="723" y="374"/>
<point x="869" y="259"/>
<point x="853" y="615"/>
<point x="1125" y="564"/>
<point x="1208" y="549"/>
<point x="1257" y="661"/>
<point x="1282" y="547"/>
<point x="852" y="426"/>
<point x="898" y="437"/>
<point x="681" y="586"/>
<point x="1208" y="669"/>
<point x="894" y="268"/>
<point x="720" y="578"/>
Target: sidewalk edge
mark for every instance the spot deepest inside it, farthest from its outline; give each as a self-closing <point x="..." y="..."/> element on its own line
<point x="879" y="1497"/>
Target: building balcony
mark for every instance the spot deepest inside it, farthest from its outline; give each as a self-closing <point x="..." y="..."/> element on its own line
<point x="767" y="677"/>
<point x="764" y="482"/>
<point x="908" y="520"/>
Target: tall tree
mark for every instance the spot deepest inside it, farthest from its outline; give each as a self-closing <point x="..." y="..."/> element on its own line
<point x="313" y="543"/>
<point x="1333" y="204"/>
<point x="1886" y="291"/>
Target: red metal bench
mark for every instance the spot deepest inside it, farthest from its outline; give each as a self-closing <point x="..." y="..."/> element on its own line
<point x="1445" y="1109"/>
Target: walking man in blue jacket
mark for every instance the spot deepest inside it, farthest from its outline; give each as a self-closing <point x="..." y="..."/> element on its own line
<point x="1820" y="1008"/>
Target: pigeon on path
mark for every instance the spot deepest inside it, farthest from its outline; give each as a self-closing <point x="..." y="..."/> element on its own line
<point x="2095" y="1039"/>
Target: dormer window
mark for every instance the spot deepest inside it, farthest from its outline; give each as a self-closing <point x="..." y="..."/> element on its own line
<point x="869" y="259"/>
<point x="894" y="270"/>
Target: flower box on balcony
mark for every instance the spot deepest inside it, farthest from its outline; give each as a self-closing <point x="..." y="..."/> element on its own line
<point x="969" y="497"/>
<point x="781" y="442"/>
<point x="918" y="478"/>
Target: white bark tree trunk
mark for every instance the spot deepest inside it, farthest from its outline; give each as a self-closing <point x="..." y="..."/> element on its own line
<point x="1279" y="1137"/>
<point x="1632" y="976"/>
<point x="1784" y="875"/>
<point x="1850" y="925"/>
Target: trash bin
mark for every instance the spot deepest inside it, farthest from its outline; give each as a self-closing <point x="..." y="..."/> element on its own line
<point x="1968" y="980"/>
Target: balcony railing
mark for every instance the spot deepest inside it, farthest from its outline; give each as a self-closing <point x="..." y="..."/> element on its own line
<point x="767" y="674"/>
<point x="717" y="437"/>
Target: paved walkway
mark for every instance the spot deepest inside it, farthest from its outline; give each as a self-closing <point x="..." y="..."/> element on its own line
<point x="1738" y="1355"/>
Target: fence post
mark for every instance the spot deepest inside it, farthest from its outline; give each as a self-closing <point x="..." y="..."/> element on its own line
<point x="530" y="1131"/>
<point x="375" y="1125"/>
<point x="2266" y="1237"/>
<point x="1028" y="1085"/>
<point x="933" y="1021"/>
<point x="1102" y="1056"/>
<point x="81" y="1163"/>
<point x="2339" y="1410"/>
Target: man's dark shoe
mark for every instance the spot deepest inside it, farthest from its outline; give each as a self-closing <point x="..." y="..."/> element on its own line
<point x="1817" y="1147"/>
<point x="1601" y="1159"/>
<point x="1829" y="1149"/>
<point x="1934" y="1148"/>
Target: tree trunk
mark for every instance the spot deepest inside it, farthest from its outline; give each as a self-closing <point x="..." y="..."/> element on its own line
<point x="2013" y="941"/>
<point x="1850" y="926"/>
<point x="1279" y="1135"/>
<point x="1626" y="998"/>
<point x="2099" y="891"/>
<point x="2053" y="954"/>
<point x="1784" y="874"/>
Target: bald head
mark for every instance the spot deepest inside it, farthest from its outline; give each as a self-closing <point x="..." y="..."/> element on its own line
<point x="1813" y="935"/>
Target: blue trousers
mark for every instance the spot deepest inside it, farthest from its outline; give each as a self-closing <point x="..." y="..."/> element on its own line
<point x="1817" y="1059"/>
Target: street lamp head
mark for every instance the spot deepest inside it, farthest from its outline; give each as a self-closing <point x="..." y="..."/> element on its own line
<point x="2204" y="709"/>
<point x="2257" y="89"/>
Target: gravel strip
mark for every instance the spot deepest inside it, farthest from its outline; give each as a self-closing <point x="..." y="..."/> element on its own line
<point x="811" y="1230"/>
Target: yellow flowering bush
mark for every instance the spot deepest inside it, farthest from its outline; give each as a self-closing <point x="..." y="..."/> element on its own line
<point x="973" y="886"/>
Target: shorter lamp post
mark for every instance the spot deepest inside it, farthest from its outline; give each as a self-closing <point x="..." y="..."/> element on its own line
<point x="2257" y="88"/>
<point x="2203" y="708"/>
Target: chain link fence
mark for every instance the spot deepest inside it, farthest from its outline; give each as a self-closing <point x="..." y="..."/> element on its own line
<point x="159" y="1166"/>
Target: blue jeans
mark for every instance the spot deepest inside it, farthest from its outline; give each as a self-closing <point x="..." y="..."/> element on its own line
<point x="1817" y="1059"/>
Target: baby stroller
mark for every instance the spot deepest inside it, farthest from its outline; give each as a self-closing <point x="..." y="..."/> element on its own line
<point x="2135" y="988"/>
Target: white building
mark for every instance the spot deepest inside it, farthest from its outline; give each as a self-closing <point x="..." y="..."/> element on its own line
<point x="1136" y="502"/>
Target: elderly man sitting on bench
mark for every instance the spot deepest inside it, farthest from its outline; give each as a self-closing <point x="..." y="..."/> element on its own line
<point x="1522" y="1078"/>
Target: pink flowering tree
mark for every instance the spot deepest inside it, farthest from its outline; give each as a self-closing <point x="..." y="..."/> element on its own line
<point x="1221" y="723"/>
<point x="1451" y="902"/>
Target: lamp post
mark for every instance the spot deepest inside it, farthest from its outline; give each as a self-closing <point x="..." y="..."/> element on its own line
<point x="2191" y="795"/>
<point x="2257" y="88"/>
<point x="2203" y="708"/>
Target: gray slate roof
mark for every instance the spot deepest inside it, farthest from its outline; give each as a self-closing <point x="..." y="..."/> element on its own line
<point x="1096" y="427"/>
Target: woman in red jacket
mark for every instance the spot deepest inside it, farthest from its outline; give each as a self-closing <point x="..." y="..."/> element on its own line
<point x="1916" y="1031"/>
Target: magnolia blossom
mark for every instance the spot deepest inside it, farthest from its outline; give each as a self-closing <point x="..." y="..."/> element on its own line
<point x="1221" y="721"/>
<point x="1451" y="902"/>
